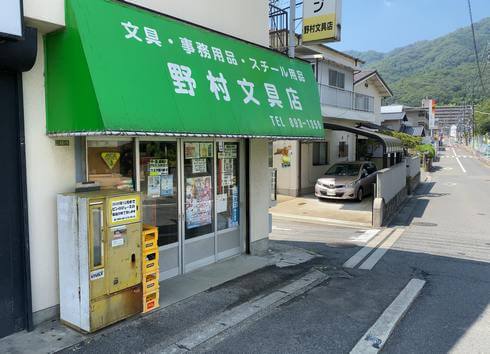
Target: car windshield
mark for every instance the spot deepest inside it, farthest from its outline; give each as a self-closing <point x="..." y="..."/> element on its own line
<point x="344" y="170"/>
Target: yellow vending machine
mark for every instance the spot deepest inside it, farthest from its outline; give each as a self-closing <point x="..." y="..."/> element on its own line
<point x="99" y="248"/>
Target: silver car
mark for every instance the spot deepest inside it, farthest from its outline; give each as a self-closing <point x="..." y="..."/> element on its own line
<point x="347" y="180"/>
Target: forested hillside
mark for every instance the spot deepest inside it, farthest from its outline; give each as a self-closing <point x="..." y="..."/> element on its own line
<point x="443" y="68"/>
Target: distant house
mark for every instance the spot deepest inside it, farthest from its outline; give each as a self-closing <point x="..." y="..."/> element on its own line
<point x="350" y="100"/>
<point x="410" y="120"/>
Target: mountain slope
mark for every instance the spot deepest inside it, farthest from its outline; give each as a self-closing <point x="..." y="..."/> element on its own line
<point x="443" y="68"/>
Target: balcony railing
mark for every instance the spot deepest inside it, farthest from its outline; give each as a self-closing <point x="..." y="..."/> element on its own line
<point x="335" y="97"/>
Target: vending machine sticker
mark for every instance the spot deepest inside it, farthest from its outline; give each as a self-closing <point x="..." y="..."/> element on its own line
<point x="96" y="274"/>
<point x="123" y="210"/>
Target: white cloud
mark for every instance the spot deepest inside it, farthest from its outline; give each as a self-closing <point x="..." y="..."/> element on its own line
<point x="388" y="2"/>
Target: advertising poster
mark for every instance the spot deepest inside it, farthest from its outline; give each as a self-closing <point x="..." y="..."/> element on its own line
<point x="235" y="208"/>
<point x="199" y="166"/>
<point x="153" y="186"/>
<point x="206" y="149"/>
<point x="191" y="150"/>
<point x="198" y="202"/>
<point x="167" y="186"/>
<point x="158" y="167"/>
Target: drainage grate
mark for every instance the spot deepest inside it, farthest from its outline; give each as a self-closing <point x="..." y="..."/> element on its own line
<point x="421" y="223"/>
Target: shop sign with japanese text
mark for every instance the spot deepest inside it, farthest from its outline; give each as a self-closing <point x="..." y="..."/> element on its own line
<point x="321" y="20"/>
<point x="154" y="73"/>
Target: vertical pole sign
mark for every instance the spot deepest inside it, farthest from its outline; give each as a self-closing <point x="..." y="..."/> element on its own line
<point x="11" y="19"/>
<point x="321" y="21"/>
<point x="432" y="114"/>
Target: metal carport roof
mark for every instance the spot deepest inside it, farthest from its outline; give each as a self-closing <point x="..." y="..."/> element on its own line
<point x="389" y="143"/>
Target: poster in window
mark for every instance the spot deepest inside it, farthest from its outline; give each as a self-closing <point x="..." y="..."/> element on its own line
<point x="158" y="167"/>
<point x="199" y="166"/>
<point x="198" y="201"/>
<point x="167" y="186"/>
<point x="206" y="149"/>
<point x="153" y="186"/>
<point x="235" y="208"/>
<point x="191" y="150"/>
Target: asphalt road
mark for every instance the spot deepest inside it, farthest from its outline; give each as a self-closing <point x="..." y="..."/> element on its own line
<point x="446" y="242"/>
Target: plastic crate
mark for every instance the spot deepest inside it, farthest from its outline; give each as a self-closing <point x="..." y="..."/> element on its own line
<point x="150" y="261"/>
<point x="150" y="282"/>
<point x="150" y="301"/>
<point x="149" y="238"/>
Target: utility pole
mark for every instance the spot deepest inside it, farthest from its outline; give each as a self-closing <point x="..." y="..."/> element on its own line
<point x="292" y="34"/>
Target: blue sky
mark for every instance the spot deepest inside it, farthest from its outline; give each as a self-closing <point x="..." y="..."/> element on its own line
<point x="383" y="25"/>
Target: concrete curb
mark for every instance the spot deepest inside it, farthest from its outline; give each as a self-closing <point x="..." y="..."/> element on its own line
<point x="376" y="336"/>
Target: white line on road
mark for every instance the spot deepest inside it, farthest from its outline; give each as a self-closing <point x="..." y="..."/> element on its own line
<point x="363" y="252"/>
<point x="376" y="336"/>
<point x="376" y="256"/>
<point x="366" y="236"/>
<point x="459" y="162"/>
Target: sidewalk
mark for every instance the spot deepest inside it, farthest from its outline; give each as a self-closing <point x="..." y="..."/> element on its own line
<point x="333" y="212"/>
<point x="185" y="300"/>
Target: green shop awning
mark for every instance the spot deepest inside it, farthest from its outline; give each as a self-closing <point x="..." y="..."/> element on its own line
<point x="120" y="69"/>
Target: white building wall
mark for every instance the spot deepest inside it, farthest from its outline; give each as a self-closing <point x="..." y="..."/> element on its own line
<point x="324" y="67"/>
<point x="287" y="176"/>
<point x="260" y="189"/>
<point x="373" y="92"/>
<point x="220" y="15"/>
<point x="50" y="170"/>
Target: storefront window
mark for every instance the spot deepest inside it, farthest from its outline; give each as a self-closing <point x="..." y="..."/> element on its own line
<point x="158" y="182"/>
<point x="198" y="182"/>
<point x="110" y="163"/>
<point x="227" y="196"/>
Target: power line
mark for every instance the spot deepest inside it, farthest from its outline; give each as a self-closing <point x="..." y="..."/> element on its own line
<point x="476" y="49"/>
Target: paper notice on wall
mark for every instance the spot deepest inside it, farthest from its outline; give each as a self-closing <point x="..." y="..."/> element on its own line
<point x="221" y="203"/>
<point x="231" y="151"/>
<point x="167" y="186"/>
<point x="124" y="209"/>
<point x="226" y="179"/>
<point x="158" y="167"/>
<point x="199" y="165"/>
<point x="153" y="190"/>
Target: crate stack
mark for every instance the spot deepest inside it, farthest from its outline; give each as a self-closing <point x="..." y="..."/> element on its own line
<point x="150" y="267"/>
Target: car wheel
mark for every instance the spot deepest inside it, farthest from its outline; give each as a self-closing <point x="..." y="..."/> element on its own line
<point x="360" y="194"/>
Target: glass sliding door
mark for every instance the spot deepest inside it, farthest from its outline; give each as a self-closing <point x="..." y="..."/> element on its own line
<point x="228" y="199"/>
<point x="159" y="175"/>
<point x="198" y="192"/>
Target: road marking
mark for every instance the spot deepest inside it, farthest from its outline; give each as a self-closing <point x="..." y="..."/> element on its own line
<point x="376" y="336"/>
<point x="228" y="319"/>
<point x="366" y="236"/>
<point x="459" y="162"/>
<point x="363" y="252"/>
<point x="381" y="250"/>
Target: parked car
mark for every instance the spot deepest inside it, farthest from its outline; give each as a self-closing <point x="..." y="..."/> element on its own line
<point x="347" y="180"/>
